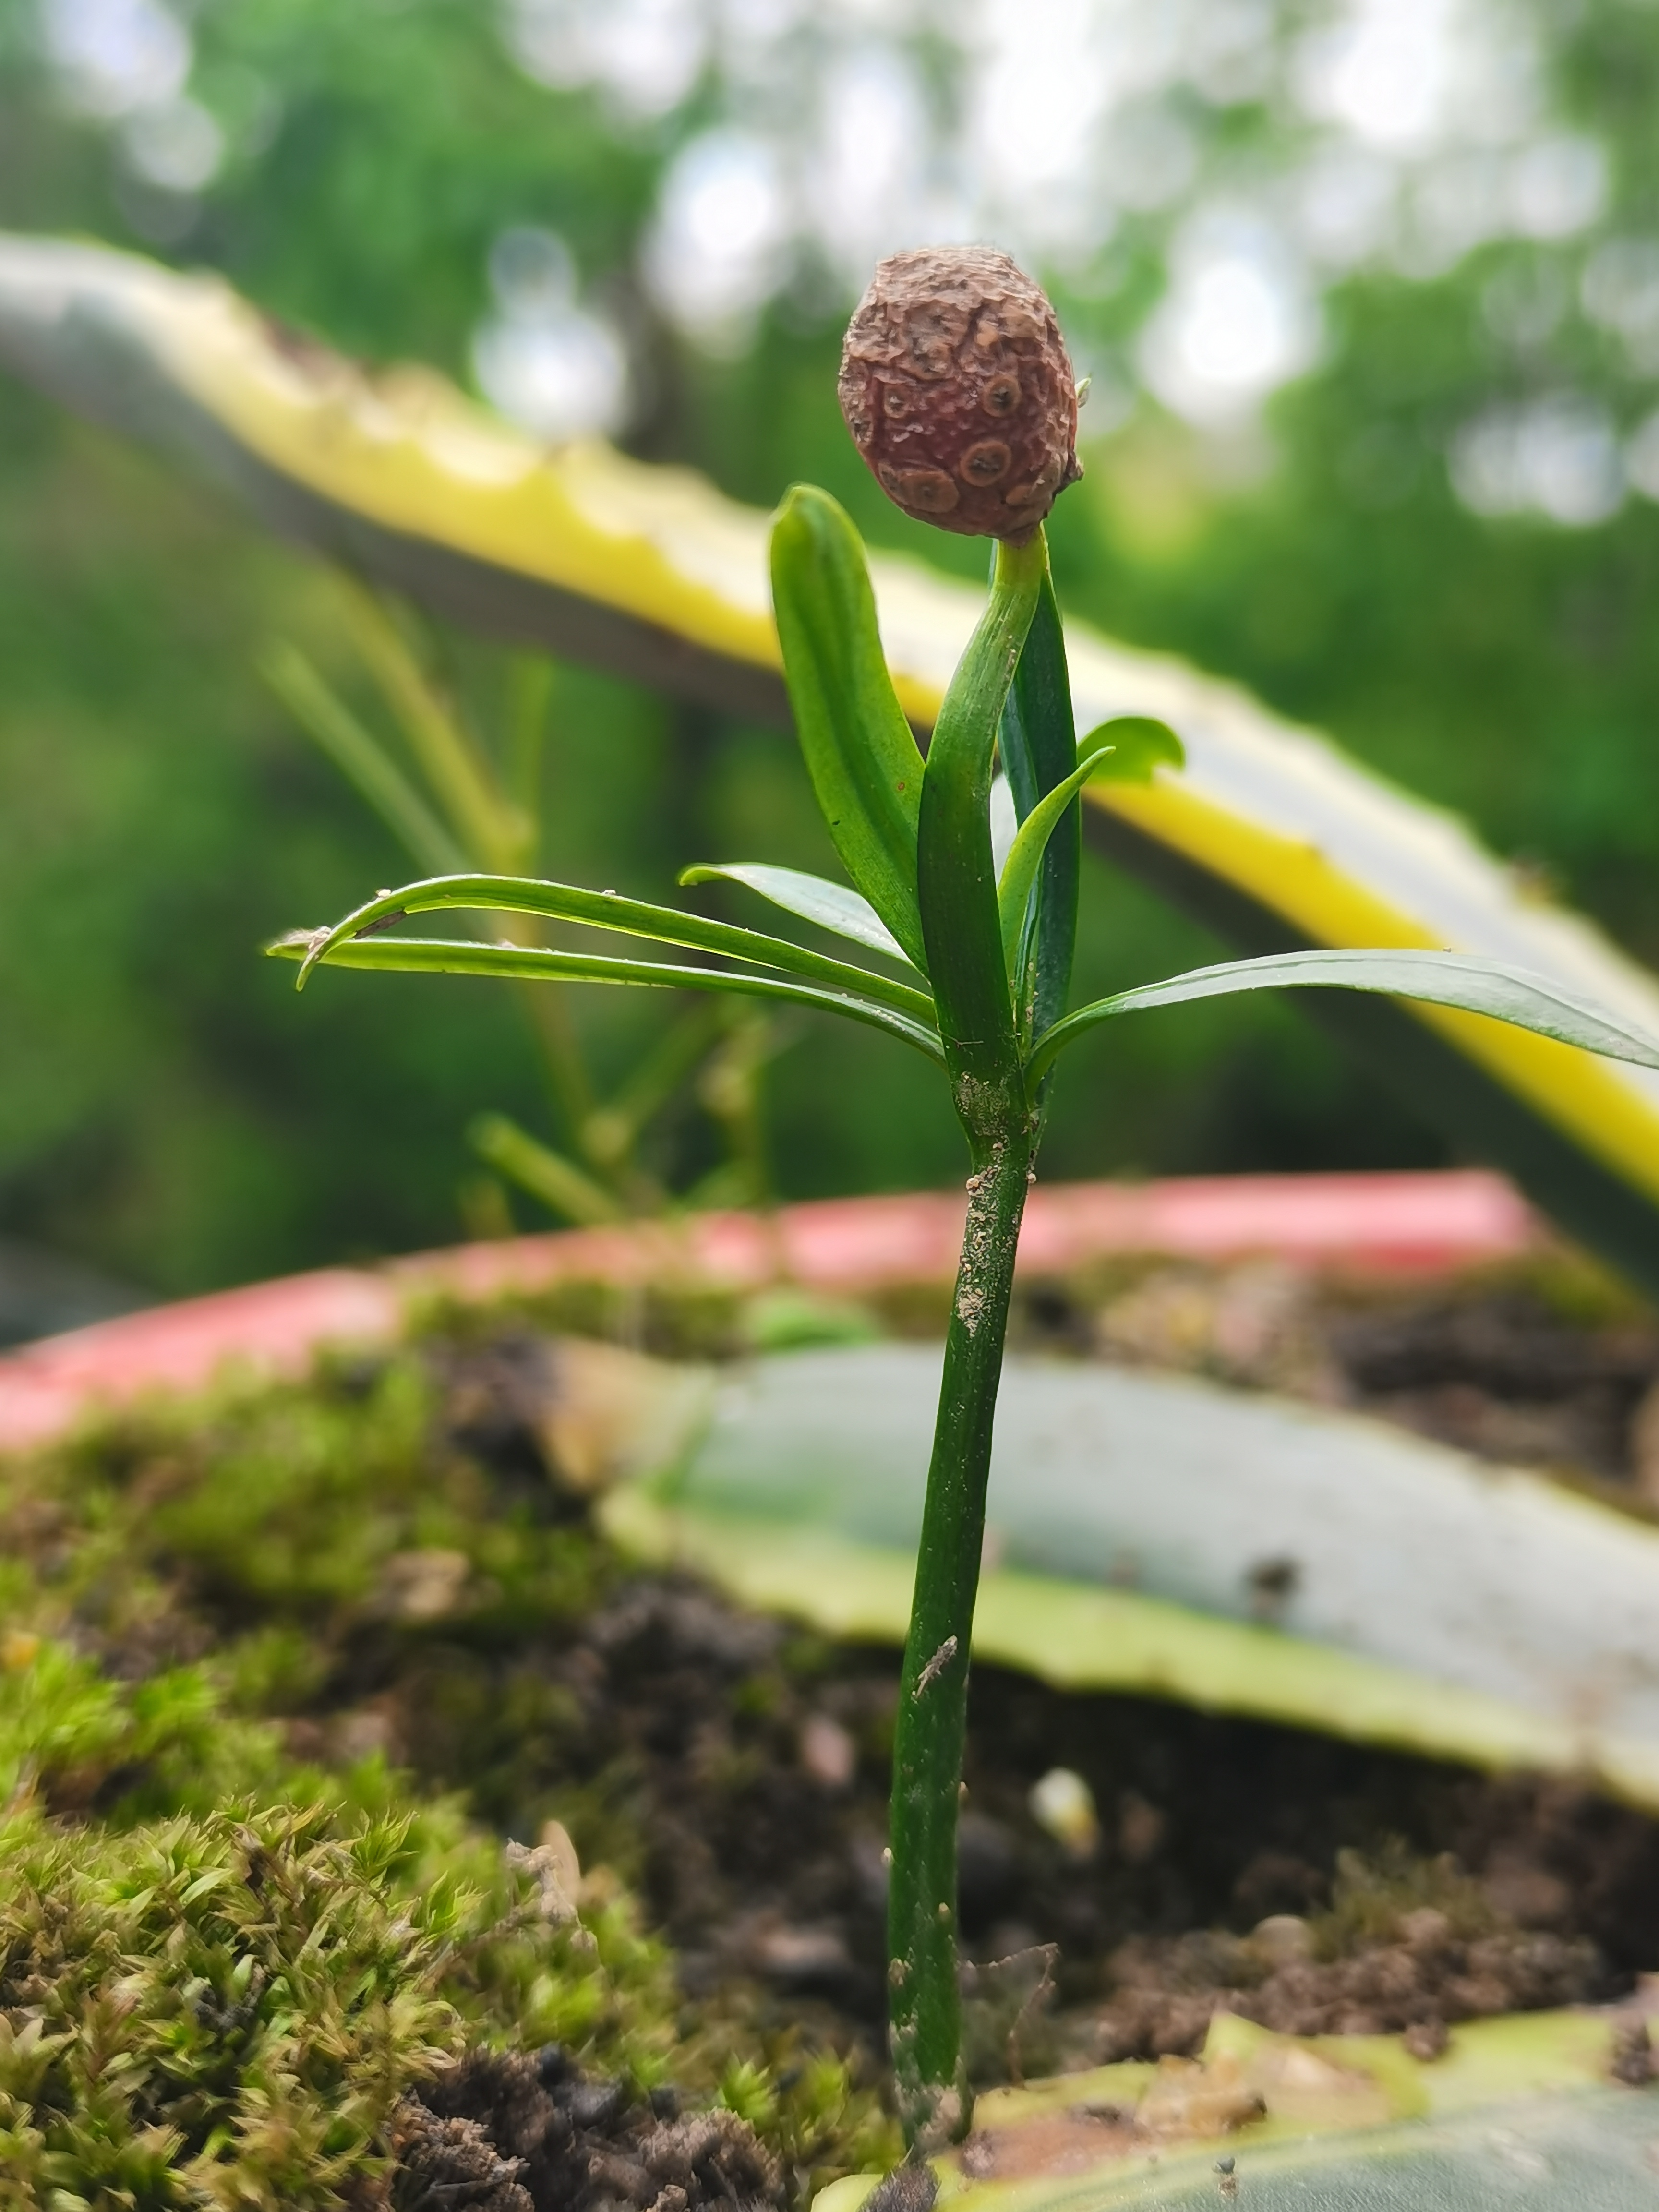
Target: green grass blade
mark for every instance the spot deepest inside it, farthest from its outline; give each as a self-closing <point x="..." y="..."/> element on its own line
<point x="1441" y="979"/>
<point x="861" y="754"/>
<point x="1019" y="870"/>
<point x="326" y="717"/>
<point x="956" y="881"/>
<point x="630" y="918"/>
<point x="832" y="906"/>
<point x="447" y="956"/>
<point x="614" y="1127"/>
<point x="546" y="1175"/>
<point x="486" y="823"/>
<point x="529" y="697"/>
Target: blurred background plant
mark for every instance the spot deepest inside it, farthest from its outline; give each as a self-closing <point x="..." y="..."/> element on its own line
<point x="481" y="813"/>
<point x="1369" y="290"/>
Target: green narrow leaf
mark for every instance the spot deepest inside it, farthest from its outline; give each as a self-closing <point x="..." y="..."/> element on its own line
<point x="326" y="717"/>
<point x="860" y="752"/>
<point x="1025" y="856"/>
<point x="629" y="917"/>
<point x="1139" y="744"/>
<point x="1443" y="979"/>
<point x="1038" y="745"/>
<point x="529" y="696"/>
<point x="454" y="957"/>
<point x="546" y="1175"/>
<point x="957" y="884"/>
<point x="832" y="906"/>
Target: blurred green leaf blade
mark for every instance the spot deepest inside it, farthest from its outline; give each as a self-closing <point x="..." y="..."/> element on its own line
<point x="487" y="824"/>
<point x="546" y="1174"/>
<point x="1138" y="744"/>
<point x="1458" y="980"/>
<point x="326" y="719"/>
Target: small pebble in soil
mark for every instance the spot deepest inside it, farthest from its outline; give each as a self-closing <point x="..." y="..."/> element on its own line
<point x="1632" y="2061"/>
<point x="828" y="1752"/>
<point x="1426" y="2039"/>
<point x="1283" y="1938"/>
<point x="1063" y="1806"/>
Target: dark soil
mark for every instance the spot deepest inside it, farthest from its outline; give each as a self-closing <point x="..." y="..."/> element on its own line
<point x="521" y="2131"/>
<point x="1316" y="1886"/>
<point x="736" y="1771"/>
<point x="1312" y="1885"/>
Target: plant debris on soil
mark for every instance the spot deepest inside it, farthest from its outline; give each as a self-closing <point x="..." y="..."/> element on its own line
<point x="526" y="2131"/>
<point x="383" y="1585"/>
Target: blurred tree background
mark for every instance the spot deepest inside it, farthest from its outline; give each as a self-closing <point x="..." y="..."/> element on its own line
<point x="1368" y="291"/>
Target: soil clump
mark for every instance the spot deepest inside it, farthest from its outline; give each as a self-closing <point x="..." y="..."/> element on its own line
<point x="526" y="2131"/>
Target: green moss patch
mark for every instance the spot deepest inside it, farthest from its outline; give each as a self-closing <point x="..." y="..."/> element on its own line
<point x="248" y="1907"/>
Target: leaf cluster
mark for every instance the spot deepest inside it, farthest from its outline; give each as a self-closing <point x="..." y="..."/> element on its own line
<point x="991" y="936"/>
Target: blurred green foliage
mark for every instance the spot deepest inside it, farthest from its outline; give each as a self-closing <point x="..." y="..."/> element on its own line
<point x="169" y="1111"/>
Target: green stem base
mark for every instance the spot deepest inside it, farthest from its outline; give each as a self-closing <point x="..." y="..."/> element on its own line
<point x="924" y="2008"/>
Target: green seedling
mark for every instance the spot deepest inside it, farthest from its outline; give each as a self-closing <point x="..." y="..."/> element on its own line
<point x="976" y="957"/>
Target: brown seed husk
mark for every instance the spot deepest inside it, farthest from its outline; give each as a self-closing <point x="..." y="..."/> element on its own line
<point x="956" y="390"/>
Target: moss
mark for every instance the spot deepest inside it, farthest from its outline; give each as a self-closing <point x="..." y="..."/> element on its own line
<point x="233" y="1935"/>
<point x="691" y="1319"/>
<point x="1372" y="1898"/>
<point x="225" y="2006"/>
<point x="265" y="1524"/>
<point x="201" y="2012"/>
<point x="227" y="2009"/>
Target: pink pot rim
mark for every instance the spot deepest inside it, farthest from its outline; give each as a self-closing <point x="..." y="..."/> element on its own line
<point x="1406" y="1222"/>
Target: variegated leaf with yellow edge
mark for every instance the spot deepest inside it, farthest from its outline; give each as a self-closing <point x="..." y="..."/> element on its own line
<point x="1271" y="834"/>
<point x="1159" y="1535"/>
<point x="1523" y="2112"/>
